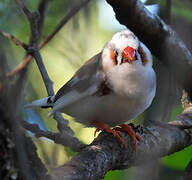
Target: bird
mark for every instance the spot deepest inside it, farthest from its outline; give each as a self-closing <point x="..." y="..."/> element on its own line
<point x="113" y="87"/>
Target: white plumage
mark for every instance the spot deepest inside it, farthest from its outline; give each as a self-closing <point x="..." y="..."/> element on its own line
<point x="110" y="88"/>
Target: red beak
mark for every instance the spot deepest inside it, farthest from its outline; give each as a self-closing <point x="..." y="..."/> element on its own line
<point x="129" y="54"/>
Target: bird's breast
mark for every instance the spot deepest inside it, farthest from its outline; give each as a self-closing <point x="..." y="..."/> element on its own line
<point x="132" y="93"/>
<point x="133" y="82"/>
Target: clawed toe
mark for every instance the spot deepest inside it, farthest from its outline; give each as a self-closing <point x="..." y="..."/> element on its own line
<point x="117" y="132"/>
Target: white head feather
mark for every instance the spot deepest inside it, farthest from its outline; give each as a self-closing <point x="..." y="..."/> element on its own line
<point x="123" y="39"/>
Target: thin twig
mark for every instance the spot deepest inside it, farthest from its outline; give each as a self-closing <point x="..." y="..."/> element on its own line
<point x="47" y="81"/>
<point x="34" y="46"/>
<point x="58" y="138"/>
<point x="63" y="21"/>
<point x="33" y="18"/>
<point x="14" y="39"/>
<point x="20" y="67"/>
<point x="42" y="8"/>
<point x="34" y="50"/>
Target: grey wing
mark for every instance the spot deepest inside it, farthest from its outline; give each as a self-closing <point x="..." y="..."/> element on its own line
<point x="84" y="83"/>
<point x="82" y="79"/>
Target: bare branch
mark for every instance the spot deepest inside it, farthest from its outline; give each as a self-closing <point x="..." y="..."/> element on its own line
<point x="58" y="138"/>
<point x="63" y="21"/>
<point x="33" y="18"/>
<point x="42" y="8"/>
<point x="34" y="47"/>
<point x="47" y="81"/>
<point x="34" y="50"/>
<point x="71" y="13"/>
<point x="14" y="39"/>
<point x="20" y="67"/>
<point x="106" y="153"/>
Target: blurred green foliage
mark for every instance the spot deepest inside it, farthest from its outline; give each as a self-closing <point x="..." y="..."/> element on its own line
<point x="79" y="40"/>
<point x="182" y="9"/>
<point x="178" y="160"/>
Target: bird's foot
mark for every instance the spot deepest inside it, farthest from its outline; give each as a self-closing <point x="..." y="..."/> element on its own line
<point x="134" y="137"/>
<point x="102" y="126"/>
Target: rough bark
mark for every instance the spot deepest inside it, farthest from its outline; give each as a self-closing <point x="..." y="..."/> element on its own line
<point x="106" y="153"/>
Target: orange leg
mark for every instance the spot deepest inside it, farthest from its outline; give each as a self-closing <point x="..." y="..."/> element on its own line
<point x="105" y="127"/>
<point x="134" y="137"/>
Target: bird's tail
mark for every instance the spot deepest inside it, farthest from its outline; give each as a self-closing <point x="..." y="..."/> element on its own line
<point x="43" y="103"/>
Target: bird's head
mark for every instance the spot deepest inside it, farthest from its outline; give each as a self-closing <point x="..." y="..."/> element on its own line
<point x="124" y="47"/>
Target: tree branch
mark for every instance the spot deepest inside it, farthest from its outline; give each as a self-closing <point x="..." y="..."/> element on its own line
<point x="14" y="39"/>
<point x="56" y="137"/>
<point x="160" y="38"/>
<point x="23" y="165"/>
<point x="34" y="50"/>
<point x="106" y="153"/>
<point x="42" y="8"/>
<point x="63" y="21"/>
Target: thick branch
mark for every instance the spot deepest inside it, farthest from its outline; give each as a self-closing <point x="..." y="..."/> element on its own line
<point x="160" y="38"/>
<point x="106" y="153"/>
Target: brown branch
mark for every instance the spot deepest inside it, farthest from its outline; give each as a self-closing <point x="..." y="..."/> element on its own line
<point x="14" y="39"/>
<point x="63" y="21"/>
<point x="20" y="67"/>
<point x="106" y="153"/>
